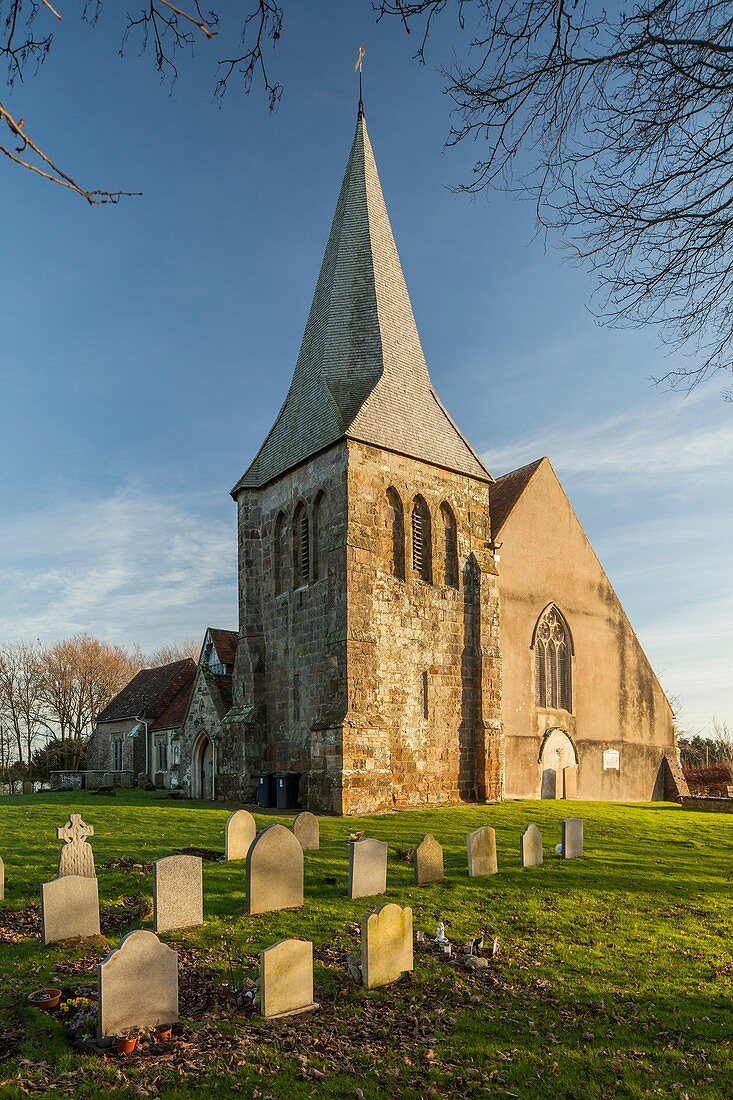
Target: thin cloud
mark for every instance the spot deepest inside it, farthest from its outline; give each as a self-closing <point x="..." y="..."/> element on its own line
<point x="131" y="567"/>
<point x="671" y="436"/>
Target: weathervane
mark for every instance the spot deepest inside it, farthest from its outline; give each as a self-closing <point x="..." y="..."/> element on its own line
<point x="357" y="69"/>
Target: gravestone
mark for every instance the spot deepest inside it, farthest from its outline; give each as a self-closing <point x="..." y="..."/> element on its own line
<point x="386" y="945"/>
<point x="2" y="881"/>
<point x="305" y="827"/>
<point x="178" y="899"/>
<point x="428" y="863"/>
<point x="572" y="838"/>
<point x="69" y="908"/>
<point x="76" y="856"/>
<point x="286" y="978"/>
<point x="530" y="848"/>
<point x="481" y="850"/>
<point x="274" y="871"/>
<point x="570" y="781"/>
<point x="239" y="832"/>
<point x="137" y="985"/>
<point x="159" y="780"/>
<point x="27" y="787"/>
<point x="367" y="868"/>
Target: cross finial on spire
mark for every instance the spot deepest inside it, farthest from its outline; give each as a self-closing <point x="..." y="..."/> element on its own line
<point x="358" y="68"/>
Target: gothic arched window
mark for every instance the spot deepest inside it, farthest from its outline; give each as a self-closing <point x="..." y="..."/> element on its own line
<point x="301" y="546"/>
<point x="552" y="652"/>
<point x="422" y="561"/>
<point x="278" y="558"/>
<point x="317" y="537"/>
<point x="450" y="546"/>
<point x="396" y="533"/>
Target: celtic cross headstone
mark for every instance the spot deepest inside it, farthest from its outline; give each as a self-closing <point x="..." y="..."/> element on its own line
<point x="76" y="856"/>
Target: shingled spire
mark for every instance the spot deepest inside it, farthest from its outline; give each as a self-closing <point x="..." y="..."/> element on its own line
<point x="361" y="373"/>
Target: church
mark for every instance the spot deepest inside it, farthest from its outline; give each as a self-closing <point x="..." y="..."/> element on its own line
<point x="412" y="632"/>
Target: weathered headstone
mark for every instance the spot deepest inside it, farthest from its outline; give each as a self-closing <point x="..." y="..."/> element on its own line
<point x="305" y="827"/>
<point x="530" y="849"/>
<point x="178" y="900"/>
<point x="239" y="832"/>
<point x="27" y="786"/>
<point x="386" y="945"/>
<point x="137" y="985"/>
<point x="69" y="908"/>
<point x="572" y="838"/>
<point x="2" y="880"/>
<point x="570" y="781"/>
<point x="367" y="867"/>
<point x="481" y="849"/>
<point x="286" y="978"/>
<point x="274" y="871"/>
<point x="428" y="862"/>
<point x="76" y="856"/>
<point x="160" y="780"/>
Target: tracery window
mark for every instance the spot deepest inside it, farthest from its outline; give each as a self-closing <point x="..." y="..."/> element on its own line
<point x="552" y="652"/>
<point x="421" y="541"/>
<point x="450" y="546"/>
<point x="396" y="525"/>
<point x="301" y="546"/>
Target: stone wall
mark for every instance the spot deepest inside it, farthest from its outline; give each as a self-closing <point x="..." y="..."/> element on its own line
<point x="407" y="637"/>
<point x="100" y="757"/>
<point x="290" y="675"/>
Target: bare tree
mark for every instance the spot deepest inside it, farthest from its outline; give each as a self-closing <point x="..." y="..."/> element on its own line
<point x="175" y="651"/>
<point x="21" y="698"/>
<point x="79" y="677"/>
<point x="158" y="26"/>
<point x="617" y="121"/>
<point x="721" y="734"/>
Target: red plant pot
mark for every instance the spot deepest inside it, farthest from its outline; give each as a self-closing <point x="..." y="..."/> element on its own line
<point x="126" y="1046"/>
<point x="47" y="999"/>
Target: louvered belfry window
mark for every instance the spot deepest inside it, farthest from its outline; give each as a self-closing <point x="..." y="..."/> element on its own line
<point x="552" y="662"/>
<point x="421" y="554"/>
<point x="450" y="546"/>
<point x="396" y="525"/>
<point x="301" y="546"/>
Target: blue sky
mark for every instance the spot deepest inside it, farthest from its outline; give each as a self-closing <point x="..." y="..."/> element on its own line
<point x="148" y="346"/>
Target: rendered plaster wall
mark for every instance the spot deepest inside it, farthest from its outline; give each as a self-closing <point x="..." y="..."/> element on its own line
<point x="618" y="703"/>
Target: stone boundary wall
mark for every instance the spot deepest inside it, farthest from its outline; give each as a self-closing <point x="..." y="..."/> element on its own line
<point x="708" y="805"/>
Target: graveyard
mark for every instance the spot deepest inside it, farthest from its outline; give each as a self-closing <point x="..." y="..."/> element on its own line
<point x="606" y="975"/>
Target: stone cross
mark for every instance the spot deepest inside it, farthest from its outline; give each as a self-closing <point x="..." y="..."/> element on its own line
<point x="76" y="856"/>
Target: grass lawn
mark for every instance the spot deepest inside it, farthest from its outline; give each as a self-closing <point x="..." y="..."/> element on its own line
<point x="614" y="977"/>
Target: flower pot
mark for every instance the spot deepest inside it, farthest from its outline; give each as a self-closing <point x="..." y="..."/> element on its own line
<point x="126" y="1046"/>
<point x="47" y="999"/>
<point x="163" y="1033"/>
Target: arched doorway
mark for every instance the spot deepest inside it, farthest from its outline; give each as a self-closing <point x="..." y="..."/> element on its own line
<point x="556" y="754"/>
<point x="202" y="767"/>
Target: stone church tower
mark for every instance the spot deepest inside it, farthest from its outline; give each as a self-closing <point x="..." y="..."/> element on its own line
<point x="368" y="654"/>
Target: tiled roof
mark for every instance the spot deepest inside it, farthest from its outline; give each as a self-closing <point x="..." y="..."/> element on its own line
<point x="150" y="692"/>
<point x="225" y="644"/>
<point x="361" y="373"/>
<point x="175" y="713"/>
<point x="506" y="491"/>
